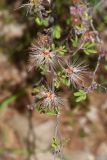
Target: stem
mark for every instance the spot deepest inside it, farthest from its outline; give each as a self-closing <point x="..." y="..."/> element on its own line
<point x="97" y="34"/>
<point x="59" y="137"/>
<point x="96" y="69"/>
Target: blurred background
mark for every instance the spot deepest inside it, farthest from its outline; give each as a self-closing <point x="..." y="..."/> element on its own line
<point x="26" y="135"/>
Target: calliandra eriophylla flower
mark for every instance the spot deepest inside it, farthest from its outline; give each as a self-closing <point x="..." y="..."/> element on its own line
<point x="42" y="54"/>
<point x="46" y="98"/>
<point x="76" y="73"/>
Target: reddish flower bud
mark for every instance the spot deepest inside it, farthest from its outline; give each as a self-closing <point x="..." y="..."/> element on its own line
<point x="76" y="21"/>
<point x="103" y="53"/>
<point x="89" y="36"/>
<point x="76" y="73"/>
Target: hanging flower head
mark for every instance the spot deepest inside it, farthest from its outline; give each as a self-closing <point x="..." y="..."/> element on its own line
<point x="76" y="73"/>
<point x="43" y="55"/>
<point x="46" y="98"/>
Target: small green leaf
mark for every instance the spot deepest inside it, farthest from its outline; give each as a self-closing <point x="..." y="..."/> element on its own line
<point x="57" y="32"/>
<point x="75" y="42"/>
<point x="51" y="113"/>
<point x="89" y="48"/>
<point x="45" y="22"/>
<point x="55" y="143"/>
<point x="38" y="21"/>
<point x="62" y="50"/>
<point x="68" y="21"/>
<point x="41" y="22"/>
<point x="80" y="95"/>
